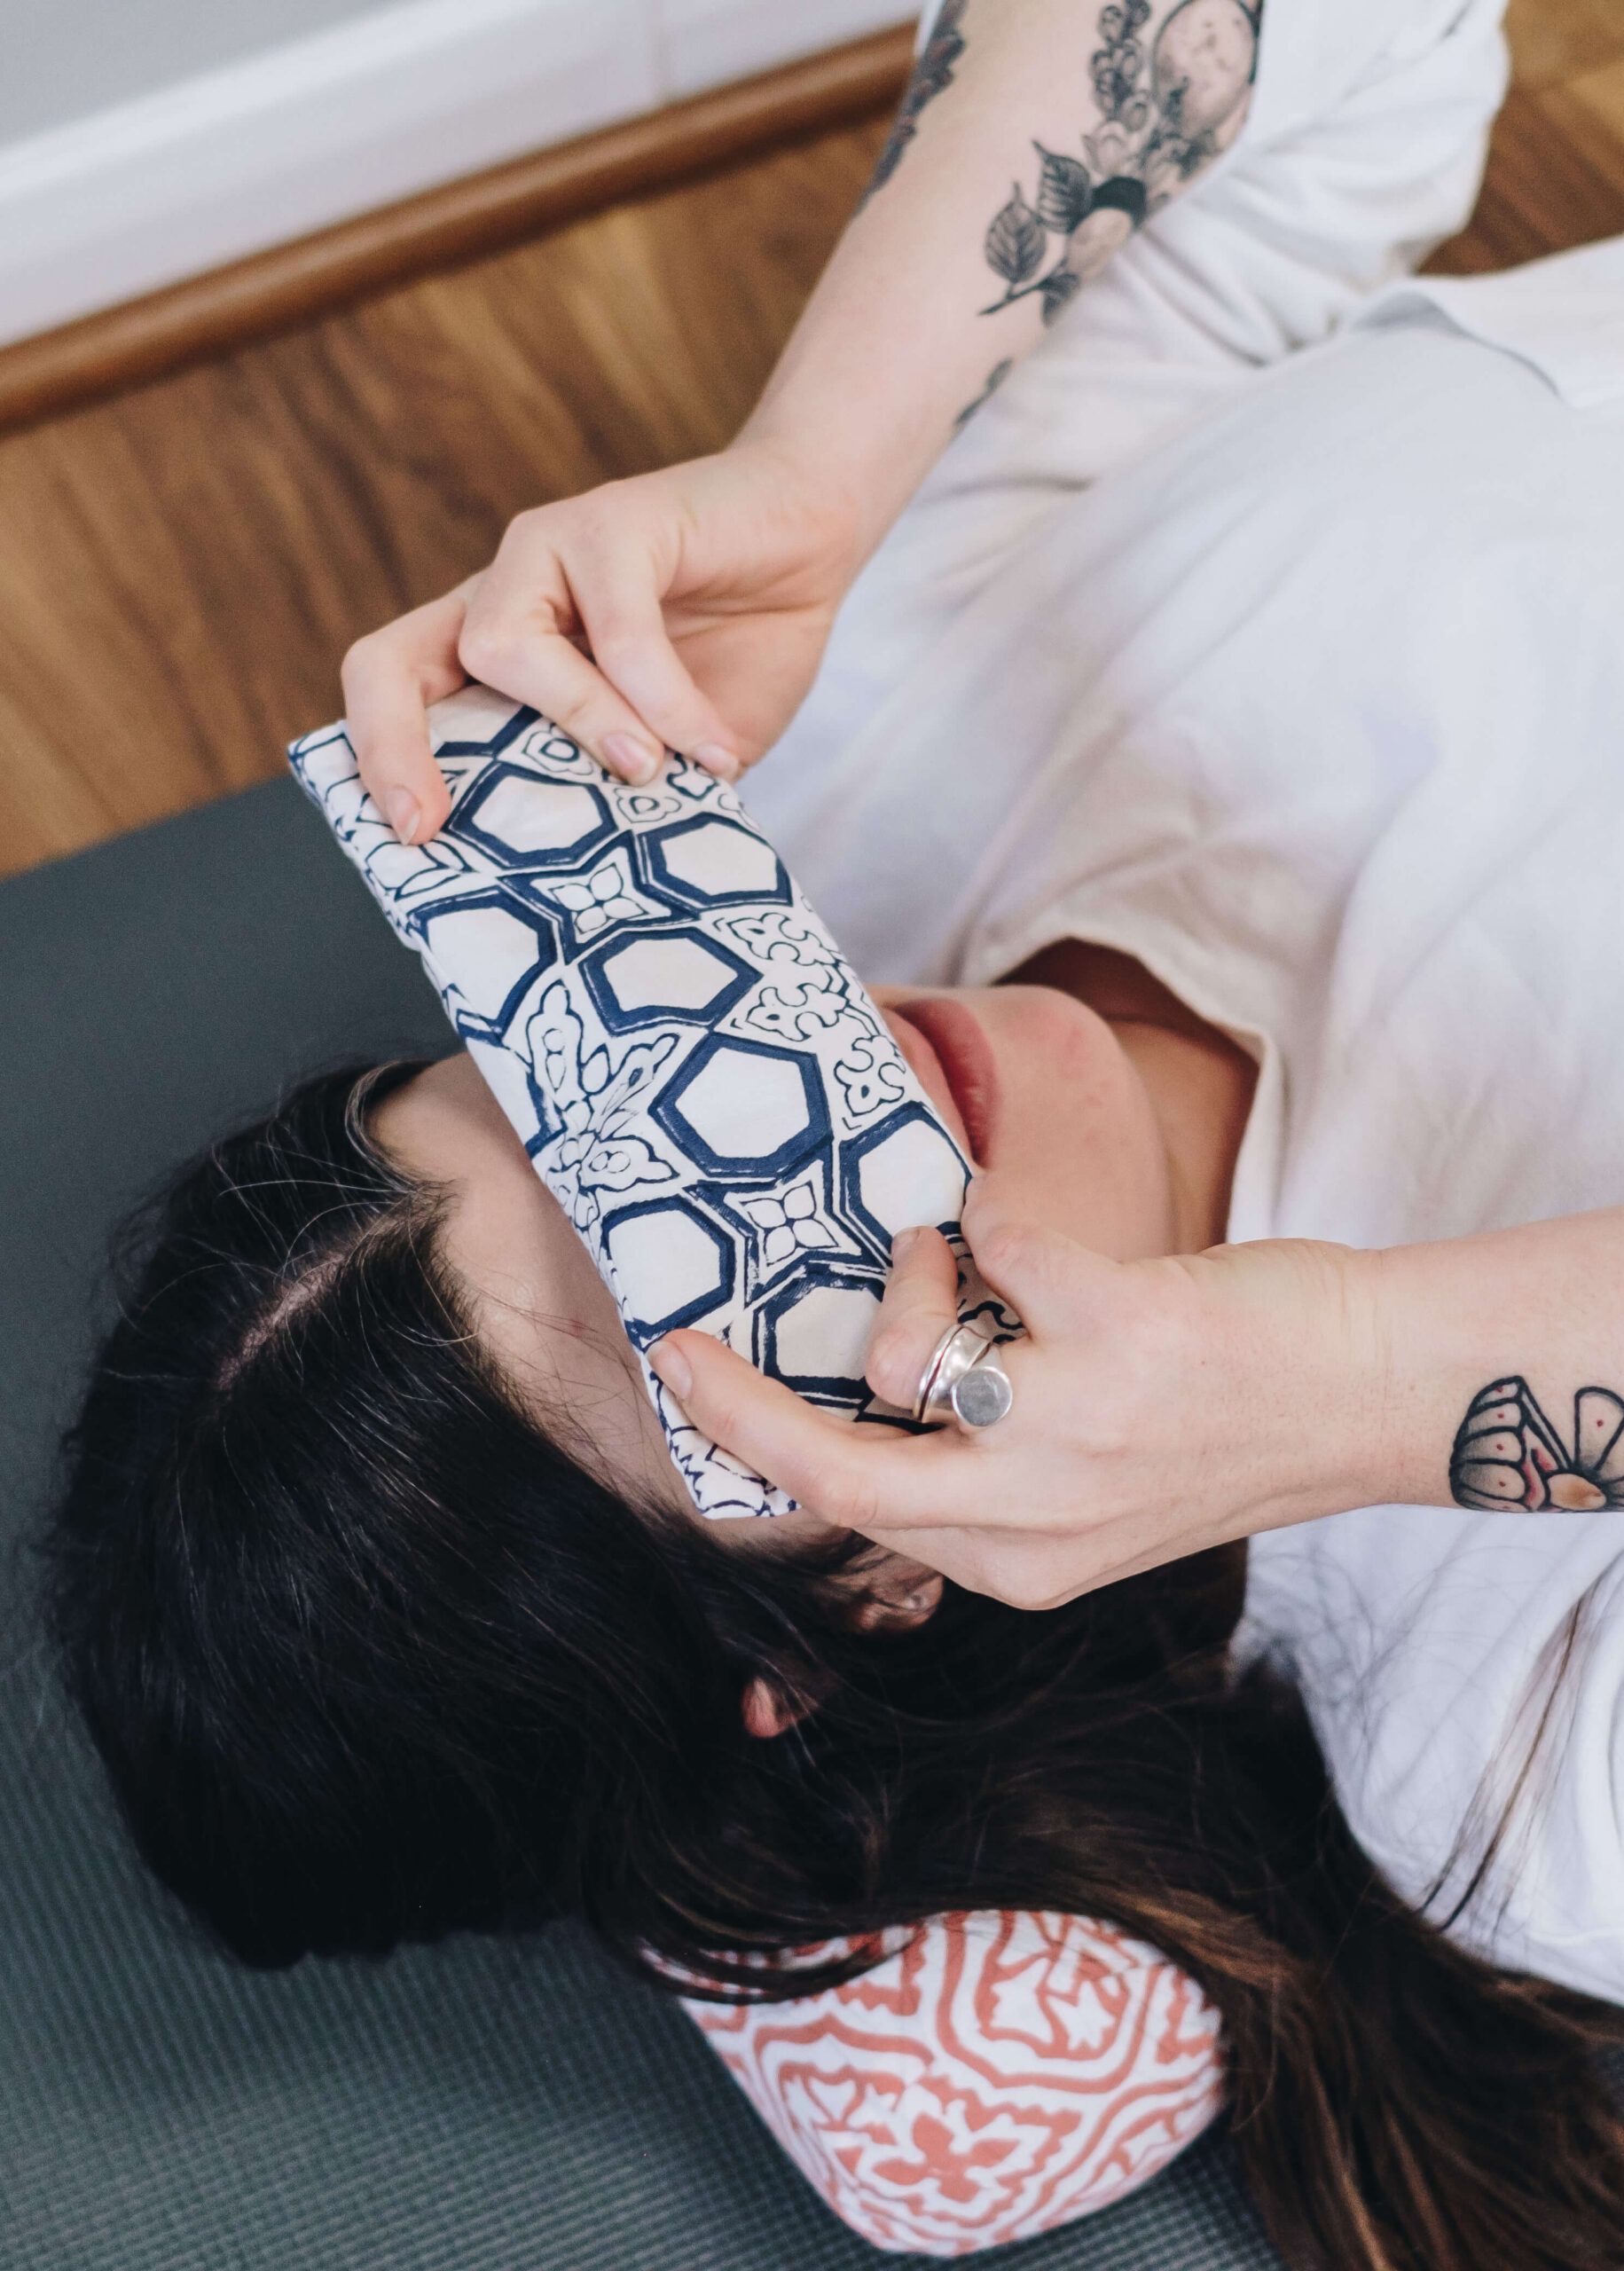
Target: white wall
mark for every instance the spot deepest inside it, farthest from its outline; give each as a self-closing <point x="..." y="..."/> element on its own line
<point x="298" y="113"/>
<point x="64" y="58"/>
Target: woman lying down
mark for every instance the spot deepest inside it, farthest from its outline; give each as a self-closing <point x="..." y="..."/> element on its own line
<point x="1263" y="797"/>
<point x="392" y="1615"/>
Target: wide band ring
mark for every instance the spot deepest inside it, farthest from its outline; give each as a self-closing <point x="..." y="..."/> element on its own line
<point x="964" y="1380"/>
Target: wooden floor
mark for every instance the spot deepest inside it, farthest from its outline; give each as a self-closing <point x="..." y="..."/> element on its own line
<point x="181" y="569"/>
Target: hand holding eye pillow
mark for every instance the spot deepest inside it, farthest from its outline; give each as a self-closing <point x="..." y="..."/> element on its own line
<point x="698" y="1073"/>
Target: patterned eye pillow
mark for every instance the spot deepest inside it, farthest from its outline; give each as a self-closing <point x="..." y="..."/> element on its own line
<point x="695" y="1070"/>
<point x="1002" y="2074"/>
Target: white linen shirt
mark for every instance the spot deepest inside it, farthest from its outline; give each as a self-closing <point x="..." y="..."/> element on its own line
<point x="1315" y="703"/>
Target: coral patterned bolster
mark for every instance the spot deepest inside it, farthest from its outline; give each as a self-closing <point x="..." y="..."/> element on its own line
<point x="1001" y="2075"/>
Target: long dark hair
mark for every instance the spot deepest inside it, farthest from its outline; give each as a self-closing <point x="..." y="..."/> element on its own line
<point x="370" y="1658"/>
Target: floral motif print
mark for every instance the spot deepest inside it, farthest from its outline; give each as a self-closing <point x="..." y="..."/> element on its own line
<point x="592" y="1104"/>
<point x="999" y="2075"/>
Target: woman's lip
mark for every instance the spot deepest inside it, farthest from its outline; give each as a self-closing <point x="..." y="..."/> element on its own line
<point x="965" y="1055"/>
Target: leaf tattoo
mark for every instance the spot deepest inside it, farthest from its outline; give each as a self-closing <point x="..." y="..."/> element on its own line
<point x="1166" y="108"/>
<point x="1059" y="285"/>
<point x="932" y="76"/>
<point x="1507" y="1456"/>
<point x="1016" y="241"/>
<point x="995" y="379"/>
<point x="1064" y="190"/>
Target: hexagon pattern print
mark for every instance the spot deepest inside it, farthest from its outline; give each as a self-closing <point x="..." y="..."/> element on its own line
<point x="694" y="1068"/>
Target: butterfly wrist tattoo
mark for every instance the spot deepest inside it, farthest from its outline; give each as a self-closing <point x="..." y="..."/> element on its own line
<point x="1508" y="1456"/>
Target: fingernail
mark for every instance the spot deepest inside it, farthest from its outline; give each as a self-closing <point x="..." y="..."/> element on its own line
<point x="672" y="1366"/>
<point x="632" y="755"/>
<point x="716" y="759"/>
<point x="401" y="810"/>
<point x="903" y="1244"/>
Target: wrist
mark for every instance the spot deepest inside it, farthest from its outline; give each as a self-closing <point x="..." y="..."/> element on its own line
<point x="1377" y="1448"/>
<point x="820" y="500"/>
<point x="1399" y="1358"/>
<point x="1310" y="1378"/>
<point x="1441" y="1308"/>
<point x="855" y="472"/>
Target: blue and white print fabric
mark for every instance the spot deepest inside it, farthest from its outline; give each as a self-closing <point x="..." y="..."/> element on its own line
<point x="695" y="1070"/>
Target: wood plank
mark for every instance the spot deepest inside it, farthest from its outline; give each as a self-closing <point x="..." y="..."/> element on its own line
<point x="1554" y="40"/>
<point x="290" y="284"/>
<point x="182" y="568"/>
<point x="1542" y="191"/>
<point x="1589" y="112"/>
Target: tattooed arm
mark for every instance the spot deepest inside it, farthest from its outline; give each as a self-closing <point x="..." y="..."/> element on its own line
<point x="1539" y="1305"/>
<point x="1035" y="138"/>
<point x="690" y="608"/>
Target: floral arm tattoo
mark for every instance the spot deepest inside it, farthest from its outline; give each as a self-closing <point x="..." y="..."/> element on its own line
<point x="1168" y="105"/>
<point x="932" y="76"/>
<point x="1508" y="1456"/>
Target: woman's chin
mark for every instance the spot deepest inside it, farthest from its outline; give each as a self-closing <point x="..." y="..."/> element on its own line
<point x="1046" y="1095"/>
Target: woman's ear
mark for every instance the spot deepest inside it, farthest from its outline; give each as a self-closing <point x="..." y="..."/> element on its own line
<point x="898" y="1596"/>
<point x="892" y="1594"/>
<point x="768" y="1711"/>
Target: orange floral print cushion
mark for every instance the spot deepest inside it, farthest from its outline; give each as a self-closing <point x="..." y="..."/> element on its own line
<point x="998" y="2076"/>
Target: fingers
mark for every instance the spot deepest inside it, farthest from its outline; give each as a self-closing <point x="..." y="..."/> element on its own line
<point x="1052" y="1282"/>
<point x="856" y="1477"/>
<point x="921" y="1304"/>
<point x="389" y="678"/>
<point x="533" y="664"/>
<point x="565" y="579"/>
<point x="618" y="599"/>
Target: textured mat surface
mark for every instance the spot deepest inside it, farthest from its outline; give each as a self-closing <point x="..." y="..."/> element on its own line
<point x="478" y="2106"/>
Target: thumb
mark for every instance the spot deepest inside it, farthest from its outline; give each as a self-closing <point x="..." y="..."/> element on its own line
<point x="389" y="679"/>
<point x="625" y="621"/>
<point x="1053" y="1282"/>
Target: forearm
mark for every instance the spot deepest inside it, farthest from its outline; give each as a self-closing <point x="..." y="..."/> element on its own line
<point x="1035" y="136"/>
<point x="1504" y="1357"/>
<point x="1486" y="1372"/>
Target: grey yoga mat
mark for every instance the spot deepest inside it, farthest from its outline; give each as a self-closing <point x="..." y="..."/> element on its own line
<point x="476" y="2107"/>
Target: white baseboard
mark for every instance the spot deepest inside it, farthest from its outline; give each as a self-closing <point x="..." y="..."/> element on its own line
<point x="708" y="42"/>
<point x="413" y="94"/>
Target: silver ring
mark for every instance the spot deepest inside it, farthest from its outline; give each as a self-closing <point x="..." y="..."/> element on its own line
<point x="964" y="1380"/>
